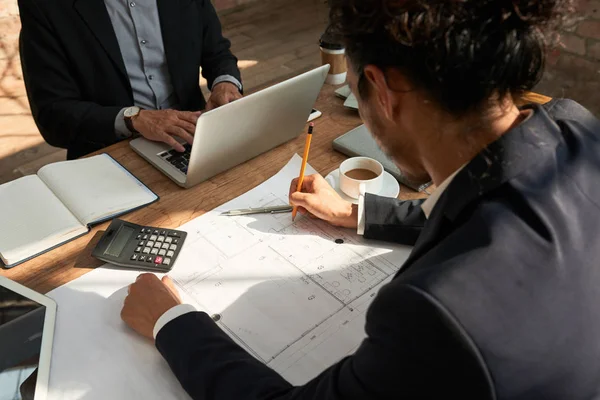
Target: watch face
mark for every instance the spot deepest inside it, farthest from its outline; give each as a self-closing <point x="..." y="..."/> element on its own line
<point x="131" y="111"/>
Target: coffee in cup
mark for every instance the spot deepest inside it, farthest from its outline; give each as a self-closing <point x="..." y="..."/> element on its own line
<point x="360" y="175"/>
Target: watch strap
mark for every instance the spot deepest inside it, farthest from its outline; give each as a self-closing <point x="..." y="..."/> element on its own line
<point x="129" y="122"/>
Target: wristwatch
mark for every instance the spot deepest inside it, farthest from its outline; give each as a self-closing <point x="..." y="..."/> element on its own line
<point x="129" y="114"/>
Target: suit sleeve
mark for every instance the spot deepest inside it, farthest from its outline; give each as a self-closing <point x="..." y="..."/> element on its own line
<point x="393" y="220"/>
<point x="61" y="115"/>
<point x="411" y="351"/>
<point x="217" y="59"/>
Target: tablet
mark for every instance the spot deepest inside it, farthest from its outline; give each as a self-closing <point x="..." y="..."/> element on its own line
<point x="27" y="321"/>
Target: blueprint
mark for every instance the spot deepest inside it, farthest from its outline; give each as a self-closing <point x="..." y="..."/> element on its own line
<point x="293" y="294"/>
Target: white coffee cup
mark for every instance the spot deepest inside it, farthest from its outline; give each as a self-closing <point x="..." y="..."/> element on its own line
<point x="355" y="187"/>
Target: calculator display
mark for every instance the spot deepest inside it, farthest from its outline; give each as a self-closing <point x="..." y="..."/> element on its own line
<point x="120" y="241"/>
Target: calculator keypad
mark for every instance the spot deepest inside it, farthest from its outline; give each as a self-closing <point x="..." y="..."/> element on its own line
<point x="155" y="246"/>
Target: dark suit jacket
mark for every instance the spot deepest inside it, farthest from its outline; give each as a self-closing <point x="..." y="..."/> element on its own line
<point x="75" y="75"/>
<point x="499" y="298"/>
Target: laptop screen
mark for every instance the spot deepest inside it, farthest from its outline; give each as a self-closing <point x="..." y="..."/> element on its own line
<point x="21" y="327"/>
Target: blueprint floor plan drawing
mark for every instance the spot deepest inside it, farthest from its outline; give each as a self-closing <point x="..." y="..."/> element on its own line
<point x="293" y="294"/>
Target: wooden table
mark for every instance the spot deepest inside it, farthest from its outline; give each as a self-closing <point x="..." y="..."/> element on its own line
<point x="178" y="206"/>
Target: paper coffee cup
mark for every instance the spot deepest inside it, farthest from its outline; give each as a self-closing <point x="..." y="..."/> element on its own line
<point x="335" y="56"/>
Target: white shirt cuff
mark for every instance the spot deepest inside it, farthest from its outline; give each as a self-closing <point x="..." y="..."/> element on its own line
<point x="170" y="315"/>
<point x="361" y="214"/>
<point x="227" y="78"/>
<point x="120" y="127"/>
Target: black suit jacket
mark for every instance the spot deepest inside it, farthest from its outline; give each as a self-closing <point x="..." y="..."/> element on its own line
<point x="499" y="298"/>
<point x="75" y="75"/>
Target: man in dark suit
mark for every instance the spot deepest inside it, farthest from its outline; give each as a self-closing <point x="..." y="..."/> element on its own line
<point x="499" y="297"/>
<point x="99" y="71"/>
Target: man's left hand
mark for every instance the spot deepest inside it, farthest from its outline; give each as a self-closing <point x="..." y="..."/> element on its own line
<point x="148" y="299"/>
<point x="223" y="93"/>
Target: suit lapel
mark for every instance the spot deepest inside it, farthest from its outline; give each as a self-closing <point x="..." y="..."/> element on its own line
<point x="94" y="13"/>
<point x="169" y="12"/>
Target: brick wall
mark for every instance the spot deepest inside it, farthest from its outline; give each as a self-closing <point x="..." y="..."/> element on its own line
<point x="573" y="69"/>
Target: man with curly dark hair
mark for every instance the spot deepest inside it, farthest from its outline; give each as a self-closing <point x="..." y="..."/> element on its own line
<point x="499" y="297"/>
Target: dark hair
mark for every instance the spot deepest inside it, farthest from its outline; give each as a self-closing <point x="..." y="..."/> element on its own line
<point x="462" y="52"/>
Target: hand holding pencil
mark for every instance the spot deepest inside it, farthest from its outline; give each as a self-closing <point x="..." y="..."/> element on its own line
<point x="316" y="197"/>
<point x="303" y="166"/>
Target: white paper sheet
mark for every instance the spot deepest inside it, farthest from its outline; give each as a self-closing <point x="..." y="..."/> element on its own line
<point x="287" y="292"/>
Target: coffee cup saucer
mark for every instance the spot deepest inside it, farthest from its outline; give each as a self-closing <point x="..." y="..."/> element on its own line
<point x="390" y="187"/>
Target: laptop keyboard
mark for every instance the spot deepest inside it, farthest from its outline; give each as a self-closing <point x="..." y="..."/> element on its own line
<point x="177" y="159"/>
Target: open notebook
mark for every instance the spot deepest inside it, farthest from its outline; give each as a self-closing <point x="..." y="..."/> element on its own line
<point x="60" y="203"/>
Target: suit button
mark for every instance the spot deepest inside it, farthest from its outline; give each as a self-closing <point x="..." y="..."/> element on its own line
<point x="132" y="4"/>
<point x="143" y="42"/>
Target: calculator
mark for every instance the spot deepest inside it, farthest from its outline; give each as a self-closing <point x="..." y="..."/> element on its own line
<point x="139" y="247"/>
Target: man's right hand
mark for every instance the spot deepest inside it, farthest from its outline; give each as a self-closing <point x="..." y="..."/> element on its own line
<point x="319" y="199"/>
<point x="162" y="125"/>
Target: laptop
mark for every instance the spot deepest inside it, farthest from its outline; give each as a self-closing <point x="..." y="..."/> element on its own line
<point x="27" y="323"/>
<point x="234" y="133"/>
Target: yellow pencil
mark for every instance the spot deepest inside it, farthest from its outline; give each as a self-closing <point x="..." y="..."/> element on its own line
<point x="303" y="167"/>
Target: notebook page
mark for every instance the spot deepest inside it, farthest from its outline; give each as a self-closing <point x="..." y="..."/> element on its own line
<point x="95" y="188"/>
<point x="32" y="219"/>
